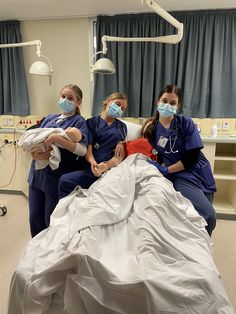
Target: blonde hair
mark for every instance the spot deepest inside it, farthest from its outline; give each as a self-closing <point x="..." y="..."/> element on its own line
<point x="114" y="96"/>
<point x="78" y="93"/>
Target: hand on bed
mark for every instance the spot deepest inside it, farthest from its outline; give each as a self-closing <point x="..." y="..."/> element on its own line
<point x="162" y="169"/>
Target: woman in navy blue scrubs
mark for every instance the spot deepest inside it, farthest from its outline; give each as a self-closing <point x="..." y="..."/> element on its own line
<point x="43" y="183"/>
<point x="178" y="143"/>
<point x="105" y="149"/>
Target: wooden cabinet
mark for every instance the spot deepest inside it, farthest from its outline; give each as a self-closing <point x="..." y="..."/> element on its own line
<point x="222" y="155"/>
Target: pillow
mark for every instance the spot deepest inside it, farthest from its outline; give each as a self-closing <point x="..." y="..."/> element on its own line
<point x="134" y="130"/>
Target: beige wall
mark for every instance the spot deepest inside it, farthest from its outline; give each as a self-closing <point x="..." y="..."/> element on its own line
<point x="66" y="43"/>
<point x="225" y="126"/>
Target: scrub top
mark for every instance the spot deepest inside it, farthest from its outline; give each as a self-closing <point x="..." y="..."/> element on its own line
<point x="104" y="137"/>
<point x="47" y="179"/>
<point x="172" y="144"/>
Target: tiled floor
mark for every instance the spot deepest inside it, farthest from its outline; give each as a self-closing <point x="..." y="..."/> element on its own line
<point x="14" y="233"/>
<point x="224" y="249"/>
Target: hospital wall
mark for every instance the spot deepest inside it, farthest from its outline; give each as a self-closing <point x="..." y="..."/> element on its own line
<point x="66" y="42"/>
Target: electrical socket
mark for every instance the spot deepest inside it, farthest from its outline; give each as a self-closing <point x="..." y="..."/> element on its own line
<point x="225" y="125"/>
<point x="10" y="121"/>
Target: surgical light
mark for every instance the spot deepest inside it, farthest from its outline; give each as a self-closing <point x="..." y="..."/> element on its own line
<point x="38" y="67"/>
<point x="102" y="66"/>
<point x="105" y="66"/>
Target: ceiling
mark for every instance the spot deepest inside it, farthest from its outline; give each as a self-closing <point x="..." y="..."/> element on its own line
<point x="47" y="9"/>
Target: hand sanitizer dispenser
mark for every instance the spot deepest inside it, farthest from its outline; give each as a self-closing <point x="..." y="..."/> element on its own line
<point x="214" y="130"/>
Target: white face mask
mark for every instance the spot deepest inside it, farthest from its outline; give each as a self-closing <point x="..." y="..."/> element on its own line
<point x="166" y="110"/>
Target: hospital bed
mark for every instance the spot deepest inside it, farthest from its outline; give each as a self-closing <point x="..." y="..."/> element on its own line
<point x="129" y="244"/>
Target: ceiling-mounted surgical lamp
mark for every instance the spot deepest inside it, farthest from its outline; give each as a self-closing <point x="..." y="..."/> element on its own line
<point x="38" y="67"/>
<point x="102" y="66"/>
<point x="105" y="66"/>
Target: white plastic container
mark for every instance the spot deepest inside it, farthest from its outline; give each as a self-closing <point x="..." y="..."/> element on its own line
<point x="199" y="127"/>
<point x="214" y="130"/>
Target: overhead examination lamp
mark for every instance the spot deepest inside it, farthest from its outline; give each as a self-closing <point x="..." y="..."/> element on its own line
<point x="38" y="67"/>
<point x="105" y="66"/>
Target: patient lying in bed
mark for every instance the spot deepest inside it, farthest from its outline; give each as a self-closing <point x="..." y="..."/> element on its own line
<point x="141" y="144"/>
<point x="129" y="244"/>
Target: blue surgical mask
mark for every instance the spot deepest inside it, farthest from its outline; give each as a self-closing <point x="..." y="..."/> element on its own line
<point x="66" y="105"/>
<point x="166" y="110"/>
<point x="114" y="111"/>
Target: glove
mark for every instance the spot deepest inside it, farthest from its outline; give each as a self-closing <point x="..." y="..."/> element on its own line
<point x="163" y="170"/>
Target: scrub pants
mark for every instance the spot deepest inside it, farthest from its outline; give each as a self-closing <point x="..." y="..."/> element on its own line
<point x="41" y="206"/>
<point x="69" y="181"/>
<point x="201" y="201"/>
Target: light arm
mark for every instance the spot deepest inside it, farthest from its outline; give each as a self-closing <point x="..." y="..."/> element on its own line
<point x="164" y="14"/>
<point x="169" y="39"/>
<point x="25" y="44"/>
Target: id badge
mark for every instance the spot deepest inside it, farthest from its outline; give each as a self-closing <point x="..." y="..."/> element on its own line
<point x="162" y="141"/>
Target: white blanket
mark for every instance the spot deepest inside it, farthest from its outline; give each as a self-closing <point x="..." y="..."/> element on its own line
<point x="33" y="140"/>
<point x="131" y="244"/>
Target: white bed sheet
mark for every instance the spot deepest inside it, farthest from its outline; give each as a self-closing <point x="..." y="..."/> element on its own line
<point x="129" y="244"/>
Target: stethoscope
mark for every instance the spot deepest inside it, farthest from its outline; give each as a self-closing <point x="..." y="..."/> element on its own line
<point x="173" y="133"/>
<point x="123" y="133"/>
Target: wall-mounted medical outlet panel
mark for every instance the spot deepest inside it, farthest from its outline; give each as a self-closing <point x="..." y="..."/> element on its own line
<point x="18" y="122"/>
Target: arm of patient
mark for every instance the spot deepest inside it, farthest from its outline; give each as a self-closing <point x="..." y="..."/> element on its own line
<point x="120" y="150"/>
<point x="99" y="169"/>
<point x="107" y="165"/>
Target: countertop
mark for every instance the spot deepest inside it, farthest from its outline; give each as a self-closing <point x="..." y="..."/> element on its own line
<point x="227" y="138"/>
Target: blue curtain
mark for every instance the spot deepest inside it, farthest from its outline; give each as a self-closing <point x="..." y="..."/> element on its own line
<point x="14" y="99"/>
<point x="203" y="64"/>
